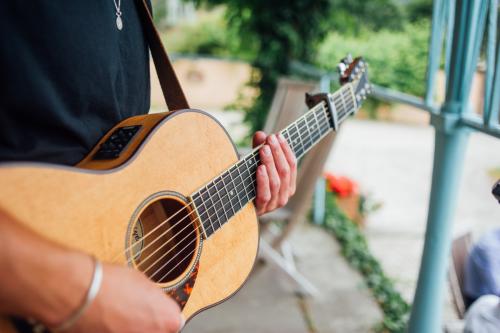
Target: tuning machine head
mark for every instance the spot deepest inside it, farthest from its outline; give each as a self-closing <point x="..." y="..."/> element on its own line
<point x="344" y="64"/>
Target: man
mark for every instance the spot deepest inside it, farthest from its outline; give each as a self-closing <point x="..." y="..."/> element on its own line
<point x="70" y="71"/>
<point x="482" y="284"/>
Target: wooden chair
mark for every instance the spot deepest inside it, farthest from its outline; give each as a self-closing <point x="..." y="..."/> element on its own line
<point x="459" y="252"/>
<point x="288" y="104"/>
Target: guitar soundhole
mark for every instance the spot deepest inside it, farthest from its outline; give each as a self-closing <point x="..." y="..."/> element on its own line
<point x="164" y="240"/>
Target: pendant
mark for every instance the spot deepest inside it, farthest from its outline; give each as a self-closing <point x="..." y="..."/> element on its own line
<point x="119" y="22"/>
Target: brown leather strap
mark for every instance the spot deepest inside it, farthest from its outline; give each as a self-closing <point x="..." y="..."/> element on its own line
<point x="172" y="91"/>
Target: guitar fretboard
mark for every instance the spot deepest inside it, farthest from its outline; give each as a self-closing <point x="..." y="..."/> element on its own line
<point x="224" y="196"/>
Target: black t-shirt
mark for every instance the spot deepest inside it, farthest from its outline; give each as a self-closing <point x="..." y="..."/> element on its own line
<point x="67" y="76"/>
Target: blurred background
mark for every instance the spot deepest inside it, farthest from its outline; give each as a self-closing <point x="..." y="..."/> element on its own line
<point x="360" y="242"/>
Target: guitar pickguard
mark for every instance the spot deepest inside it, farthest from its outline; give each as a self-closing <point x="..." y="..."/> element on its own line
<point x="181" y="293"/>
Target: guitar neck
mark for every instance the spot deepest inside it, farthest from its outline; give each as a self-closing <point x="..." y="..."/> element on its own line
<point x="224" y="196"/>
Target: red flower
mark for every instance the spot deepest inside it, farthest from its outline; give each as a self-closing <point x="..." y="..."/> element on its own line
<point x="341" y="185"/>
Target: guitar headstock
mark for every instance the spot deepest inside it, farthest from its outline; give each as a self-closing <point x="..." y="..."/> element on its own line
<point x="355" y="72"/>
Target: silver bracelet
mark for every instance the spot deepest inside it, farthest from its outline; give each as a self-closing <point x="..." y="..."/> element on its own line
<point x="95" y="285"/>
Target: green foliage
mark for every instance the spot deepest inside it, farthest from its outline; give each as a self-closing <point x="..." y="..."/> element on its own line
<point x="397" y="59"/>
<point x="349" y="17"/>
<point x="278" y="32"/>
<point x="355" y="250"/>
<point x="419" y="9"/>
<point x="210" y="35"/>
<point x="270" y="34"/>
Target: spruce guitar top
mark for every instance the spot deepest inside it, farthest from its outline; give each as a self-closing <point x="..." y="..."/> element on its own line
<point x="167" y="195"/>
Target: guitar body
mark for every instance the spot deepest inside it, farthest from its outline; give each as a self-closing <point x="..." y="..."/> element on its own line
<point x="94" y="207"/>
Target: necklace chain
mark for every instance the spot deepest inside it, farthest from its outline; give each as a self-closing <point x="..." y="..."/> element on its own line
<point x="119" y="21"/>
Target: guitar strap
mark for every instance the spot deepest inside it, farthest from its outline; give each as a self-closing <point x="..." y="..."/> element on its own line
<point x="172" y="90"/>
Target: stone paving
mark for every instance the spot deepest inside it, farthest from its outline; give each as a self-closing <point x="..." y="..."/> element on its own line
<point x="268" y="303"/>
<point x="393" y="162"/>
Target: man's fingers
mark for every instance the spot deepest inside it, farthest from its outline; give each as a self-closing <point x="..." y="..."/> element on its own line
<point x="263" y="190"/>
<point x="266" y="158"/>
<point x="282" y="168"/>
<point x="258" y="138"/>
<point x="292" y="163"/>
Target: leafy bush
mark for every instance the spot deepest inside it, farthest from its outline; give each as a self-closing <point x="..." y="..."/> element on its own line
<point x="209" y="35"/>
<point x="355" y="249"/>
<point x="271" y="36"/>
<point x="397" y="59"/>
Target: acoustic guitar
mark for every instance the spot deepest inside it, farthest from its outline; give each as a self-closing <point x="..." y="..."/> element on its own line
<point x="166" y="194"/>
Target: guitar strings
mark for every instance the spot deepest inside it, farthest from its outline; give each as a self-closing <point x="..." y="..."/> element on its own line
<point x="168" y="219"/>
<point x="341" y="114"/>
<point x="187" y="225"/>
<point x="180" y="242"/>
<point x="161" y="224"/>
<point x="336" y="98"/>
<point x="320" y="128"/>
<point x="189" y="255"/>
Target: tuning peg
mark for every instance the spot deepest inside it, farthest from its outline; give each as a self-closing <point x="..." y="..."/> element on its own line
<point x="341" y="67"/>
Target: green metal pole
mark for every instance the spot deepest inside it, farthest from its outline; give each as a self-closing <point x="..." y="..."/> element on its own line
<point x="435" y="46"/>
<point x="449" y="151"/>
<point x="319" y="191"/>
<point x="448" y="160"/>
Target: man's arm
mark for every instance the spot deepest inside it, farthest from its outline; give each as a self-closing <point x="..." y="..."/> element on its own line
<point x="44" y="281"/>
<point x="47" y="282"/>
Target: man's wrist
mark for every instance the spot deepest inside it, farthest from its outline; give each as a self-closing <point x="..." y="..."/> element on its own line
<point x="68" y="281"/>
<point x="39" y="279"/>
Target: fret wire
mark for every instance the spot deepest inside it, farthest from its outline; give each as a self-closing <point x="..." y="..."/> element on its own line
<point x="218" y="202"/>
<point x="299" y="138"/>
<point x="308" y="135"/>
<point x="232" y="181"/>
<point x="317" y="121"/>
<point x="226" y="203"/>
<point x="214" y="201"/>
<point x="238" y="165"/>
<point x="302" y="134"/>
<point x="211" y="206"/>
<point x="314" y="135"/>
<point x="323" y="120"/>
<point x="207" y="230"/>
<point x="230" y="186"/>
<point x="236" y="183"/>
<point x="347" y="111"/>
<point x="219" y="199"/>
<point x="201" y="210"/>
<point x="343" y="102"/>
<point x="309" y="148"/>
<point x="247" y="175"/>
<point x="323" y="116"/>
<point x="318" y="126"/>
<point x="286" y="135"/>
